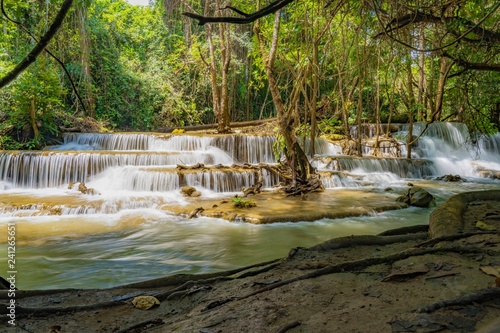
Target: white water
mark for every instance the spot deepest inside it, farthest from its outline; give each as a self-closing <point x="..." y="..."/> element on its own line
<point x="122" y="234"/>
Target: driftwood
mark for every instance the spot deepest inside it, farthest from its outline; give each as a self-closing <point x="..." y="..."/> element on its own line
<point x="190" y="167"/>
<point x="254" y="189"/>
<point x="195" y="212"/>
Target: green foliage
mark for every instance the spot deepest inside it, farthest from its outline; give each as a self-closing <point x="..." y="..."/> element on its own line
<point x="144" y="68"/>
<point x="240" y="202"/>
<point x="279" y="147"/>
<point x="329" y="125"/>
<point x="33" y="100"/>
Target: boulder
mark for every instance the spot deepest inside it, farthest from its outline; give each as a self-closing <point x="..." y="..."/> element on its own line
<point x="189" y="191"/>
<point x="420" y="197"/>
<point x="451" y="178"/>
<point x="416" y="196"/>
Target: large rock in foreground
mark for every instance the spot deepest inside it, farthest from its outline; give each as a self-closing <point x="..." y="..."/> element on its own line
<point x="448" y="218"/>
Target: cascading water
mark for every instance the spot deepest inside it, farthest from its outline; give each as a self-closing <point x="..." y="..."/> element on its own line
<point x="120" y="230"/>
<point x="452" y="151"/>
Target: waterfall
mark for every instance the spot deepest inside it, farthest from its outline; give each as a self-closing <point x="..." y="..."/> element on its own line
<point x="452" y="150"/>
<point x="102" y="202"/>
<point x="140" y="162"/>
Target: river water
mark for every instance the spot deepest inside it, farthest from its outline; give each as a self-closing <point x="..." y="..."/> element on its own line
<point x="122" y="233"/>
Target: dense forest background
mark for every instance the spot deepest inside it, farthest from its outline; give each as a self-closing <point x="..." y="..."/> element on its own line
<point x="337" y="63"/>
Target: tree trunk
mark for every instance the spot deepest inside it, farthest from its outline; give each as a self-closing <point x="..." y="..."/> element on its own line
<point x="85" y="58"/>
<point x="301" y="170"/>
<point x="411" y="106"/>
<point x="314" y="94"/>
<point x="444" y="69"/>
<point x="377" y="107"/>
<point x="422" y="113"/>
<point x="220" y="92"/>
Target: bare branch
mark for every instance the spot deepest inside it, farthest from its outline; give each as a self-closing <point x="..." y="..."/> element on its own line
<point x="466" y="65"/>
<point x="247" y="18"/>
<point x="492" y="37"/>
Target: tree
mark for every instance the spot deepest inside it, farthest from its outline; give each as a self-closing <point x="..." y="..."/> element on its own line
<point x="39" y="47"/>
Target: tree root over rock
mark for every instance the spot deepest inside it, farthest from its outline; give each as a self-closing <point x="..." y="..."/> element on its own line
<point x="353" y="266"/>
<point x="480" y="296"/>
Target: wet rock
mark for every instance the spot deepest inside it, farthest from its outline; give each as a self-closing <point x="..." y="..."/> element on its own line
<point x="189" y="191"/>
<point x="451" y="178"/>
<point x="84" y="189"/>
<point x="493" y="174"/>
<point x="416" y="196"/>
<point x="420" y="197"/>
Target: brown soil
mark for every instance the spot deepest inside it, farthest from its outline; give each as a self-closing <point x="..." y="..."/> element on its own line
<point x="398" y="282"/>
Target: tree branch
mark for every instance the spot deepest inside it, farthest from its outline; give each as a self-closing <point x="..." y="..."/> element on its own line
<point x="493" y="37"/>
<point x="466" y="65"/>
<point x="247" y="18"/>
<point x="73" y="86"/>
<point x="39" y="47"/>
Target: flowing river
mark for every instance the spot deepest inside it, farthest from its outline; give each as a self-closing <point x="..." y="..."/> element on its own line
<point x="121" y="231"/>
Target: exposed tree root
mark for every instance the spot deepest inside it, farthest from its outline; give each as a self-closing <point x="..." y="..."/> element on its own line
<point x="288" y="327"/>
<point x="141" y="327"/>
<point x="437" y="240"/>
<point x="352" y="266"/>
<point x="480" y="296"/>
<point x="349" y="241"/>
<point x="313" y="184"/>
<point x="184" y="283"/>
<point x="255" y="188"/>
<point x="194" y="212"/>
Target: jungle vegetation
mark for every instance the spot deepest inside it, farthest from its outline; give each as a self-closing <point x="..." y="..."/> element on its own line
<point x="319" y="65"/>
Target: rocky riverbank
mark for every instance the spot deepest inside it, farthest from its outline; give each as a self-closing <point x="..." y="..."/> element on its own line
<point x="399" y="281"/>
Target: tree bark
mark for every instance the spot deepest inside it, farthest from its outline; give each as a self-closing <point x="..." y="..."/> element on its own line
<point x="220" y="92"/>
<point x="444" y="70"/>
<point x="300" y="180"/>
<point x="411" y="106"/>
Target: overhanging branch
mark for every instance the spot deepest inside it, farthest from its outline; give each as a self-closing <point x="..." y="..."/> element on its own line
<point x="39" y="47"/>
<point x="247" y="18"/>
<point x="73" y="86"/>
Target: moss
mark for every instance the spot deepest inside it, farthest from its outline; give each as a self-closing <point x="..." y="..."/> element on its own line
<point x="243" y="203"/>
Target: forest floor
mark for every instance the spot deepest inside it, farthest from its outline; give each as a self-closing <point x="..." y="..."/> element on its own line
<point x="397" y="282"/>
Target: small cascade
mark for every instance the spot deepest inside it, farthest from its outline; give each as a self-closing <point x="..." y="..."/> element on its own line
<point x="221" y="181"/>
<point x="247" y="149"/>
<point x="490" y="145"/>
<point x="401" y="167"/>
<point x="450" y="147"/>
<point x="321" y="147"/>
<point x="105" y="141"/>
<point x="164" y="179"/>
<point x="241" y="148"/>
<point x="53" y="169"/>
<point x="370" y="130"/>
